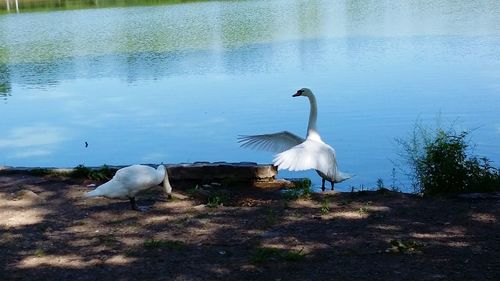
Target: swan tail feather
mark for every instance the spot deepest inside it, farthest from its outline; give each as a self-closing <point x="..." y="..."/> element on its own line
<point x="102" y="190"/>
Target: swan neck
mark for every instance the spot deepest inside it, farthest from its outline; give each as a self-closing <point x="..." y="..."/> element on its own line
<point x="166" y="183"/>
<point x="313" y="116"/>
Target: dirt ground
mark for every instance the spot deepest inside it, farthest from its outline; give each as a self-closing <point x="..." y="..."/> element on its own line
<point x="48" y="232"/>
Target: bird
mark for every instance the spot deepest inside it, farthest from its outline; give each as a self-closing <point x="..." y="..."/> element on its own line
<point x="297" y="154"/>
<point x="129" y="181"/>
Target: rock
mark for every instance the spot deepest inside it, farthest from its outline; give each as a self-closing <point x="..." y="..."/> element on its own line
<point x="274" y="184"/>
<point x="222" y="172"/>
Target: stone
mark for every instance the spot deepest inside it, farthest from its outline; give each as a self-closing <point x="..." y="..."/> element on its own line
<point x="222" y="172"/>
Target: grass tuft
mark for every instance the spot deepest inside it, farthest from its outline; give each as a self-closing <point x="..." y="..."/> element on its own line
<point x="262" y="255"/>
<point x="168" y="244"/>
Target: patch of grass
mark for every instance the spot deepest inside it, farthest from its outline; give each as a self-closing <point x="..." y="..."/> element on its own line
<point x="296" y="193"/>
<point x="325" y="206"/>
<point x="262" y="255"/>
<point x="363" y="210"/>
<point x="39" y="253"/>
<point x="293" y="255"/>
<point x="405" y="247"/>
<point x="303" y="183"/>
<point x="217" y="199"/>
<point x="301" y="189"/>
<point x="101" y="174"/>
<point x="191" y="192"/>
<point x="155" y="244"/>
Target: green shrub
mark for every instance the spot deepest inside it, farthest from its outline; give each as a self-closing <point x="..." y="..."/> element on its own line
<point x="440" y="163"/>
<point x="101" y="174"/>
<point x="302" y="183"/>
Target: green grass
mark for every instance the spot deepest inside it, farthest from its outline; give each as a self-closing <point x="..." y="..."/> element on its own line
<point x="405" y="247"/>
<point x="168" y="244"/>
<point x="39" y="253"/>
<point x="303" y="183"/>
<point x="325" y="206"/>
<point x="101" y="174"/>
<point x="217" y="199"/>
<point x="301" y="189"/>
<point x="363" y="211"/>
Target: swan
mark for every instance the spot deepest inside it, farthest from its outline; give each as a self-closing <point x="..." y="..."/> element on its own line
<point x="298" y="154"/>
<point x="129" y="181"/>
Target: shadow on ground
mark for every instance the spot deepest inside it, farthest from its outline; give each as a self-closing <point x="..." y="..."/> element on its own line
<point x="48" y="232"/>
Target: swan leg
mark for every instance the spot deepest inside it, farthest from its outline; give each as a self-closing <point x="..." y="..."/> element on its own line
<point x="332" y="184"/>
<point x="322" y="184"/>
<point x="133" y="204"/>
<point x="135" y="207"/>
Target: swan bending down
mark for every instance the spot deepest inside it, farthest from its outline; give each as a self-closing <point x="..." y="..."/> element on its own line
<point x="129" y="181"/>
<point x="298" y="154"/>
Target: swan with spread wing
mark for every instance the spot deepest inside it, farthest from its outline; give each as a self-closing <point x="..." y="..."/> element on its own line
<point x="298" y="154"/>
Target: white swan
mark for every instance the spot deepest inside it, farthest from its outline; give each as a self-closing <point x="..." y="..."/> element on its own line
<point x="298" y="154"/>
<point x="129" y="181"/>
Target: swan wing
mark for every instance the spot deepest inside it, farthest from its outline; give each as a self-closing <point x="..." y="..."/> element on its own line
<point x="310" y="154"/>
<point x="276" y="142"/>
<point x="138" y="177"/>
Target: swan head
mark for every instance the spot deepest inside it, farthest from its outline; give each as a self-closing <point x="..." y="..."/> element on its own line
<point x="303" y="92"/>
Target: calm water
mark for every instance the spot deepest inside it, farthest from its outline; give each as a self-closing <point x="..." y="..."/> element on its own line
<point x="178" y="83"/>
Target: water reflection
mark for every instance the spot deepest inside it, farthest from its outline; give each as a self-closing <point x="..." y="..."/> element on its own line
<point x="43" y="5"/>
<point x="178" y="83"/>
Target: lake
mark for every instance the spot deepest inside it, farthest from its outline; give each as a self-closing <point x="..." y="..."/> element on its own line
<point x="178" y="83"/>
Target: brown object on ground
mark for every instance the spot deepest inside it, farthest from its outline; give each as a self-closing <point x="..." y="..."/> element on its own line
<point x="49" y="232"/>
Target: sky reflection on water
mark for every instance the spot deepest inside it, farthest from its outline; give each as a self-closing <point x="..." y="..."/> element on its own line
<point x="182" y="85"/>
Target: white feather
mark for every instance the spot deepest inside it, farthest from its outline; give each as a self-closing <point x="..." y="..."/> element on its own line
<point x="276" y="142"/>
<point x="310" y="154"/>
<point x="296" y="153"/>
<point x="129" y="181"/>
